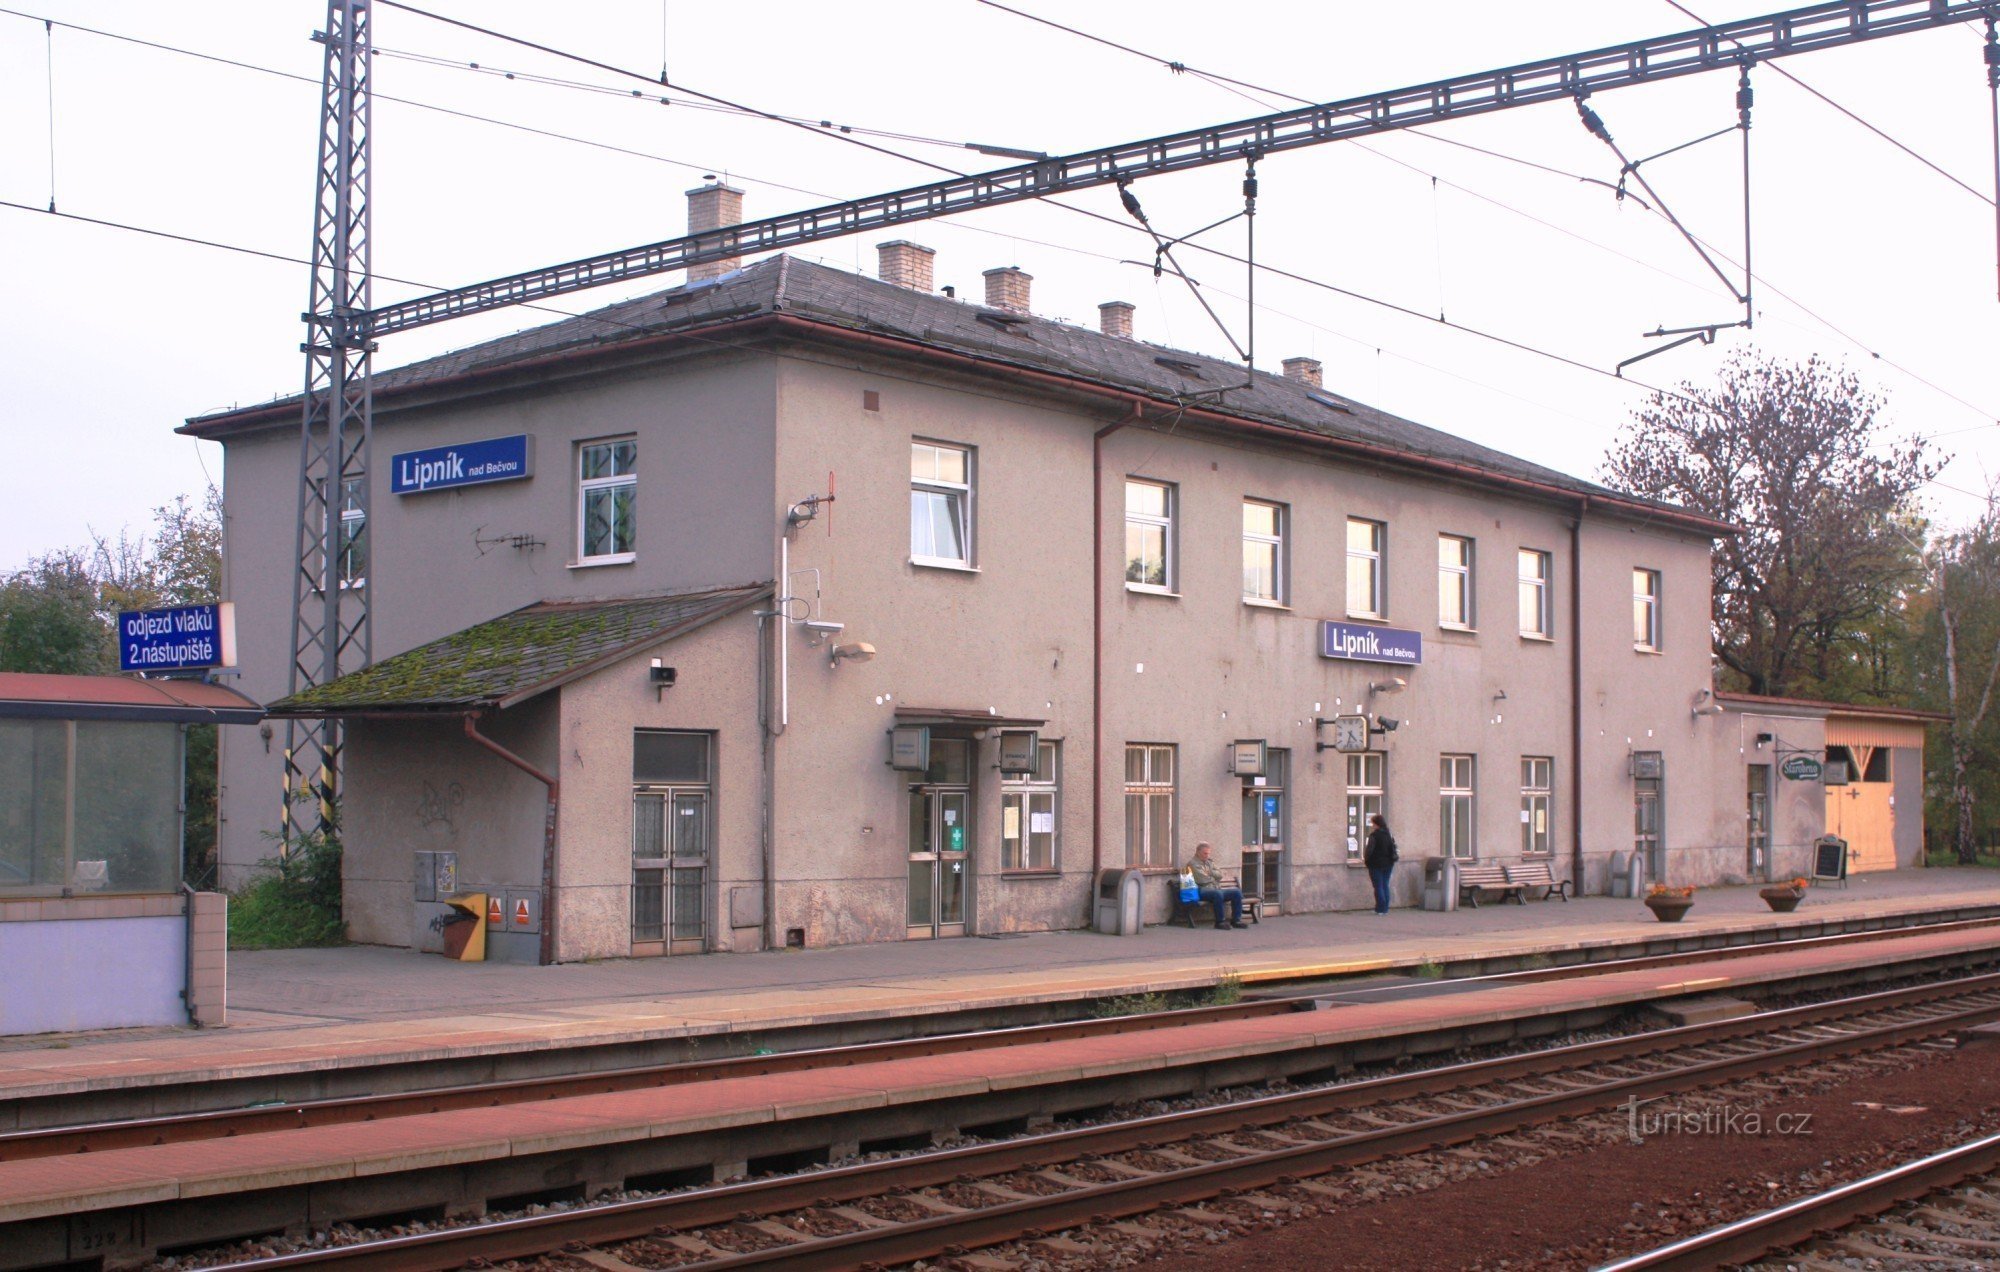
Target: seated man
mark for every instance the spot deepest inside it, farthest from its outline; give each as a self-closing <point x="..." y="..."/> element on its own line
<point x="1208" y="877"/>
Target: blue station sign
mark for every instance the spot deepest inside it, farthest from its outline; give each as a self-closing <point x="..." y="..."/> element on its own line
<point x="183" y="638"/>
<point x="1358" y="642"/>
<point x="465" y="464"/>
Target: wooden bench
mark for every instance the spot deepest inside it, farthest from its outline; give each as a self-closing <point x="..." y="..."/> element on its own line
<point x="1184" y="911"/>
<point x="1474" y="878"/>
<point x="1536" y="874"/>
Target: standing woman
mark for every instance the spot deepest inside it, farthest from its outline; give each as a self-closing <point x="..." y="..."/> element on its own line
<point x="1380" y="857"/>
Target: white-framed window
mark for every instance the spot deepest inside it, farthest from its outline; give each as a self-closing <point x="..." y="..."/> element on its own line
<point x="350" y="547"/>
<point x="1263" y="552"/>
<point x="1646" y="609"/>
<point x="1533" y="571"/>
<point x="1455" y="837"/>
<point x="1367" y="550"/>
<point x="940" y="504"/>
<point x="1537" y="804"/>
<point x="1149" y="805"/>
<point x="1365" y="771"/>
<point x="1149" y="535"/>
<point x="1454" y="581"/>
<point x="1028" y="813"/>
<point x="607" y="489"/>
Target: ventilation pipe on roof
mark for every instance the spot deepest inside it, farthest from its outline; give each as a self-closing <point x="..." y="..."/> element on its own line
<point x="1114" y="318"/>
<point x="905" y="264"/>
<point x="1007" y="288"/>
<point x="713" y="207"/>
<point x="1304" y="370"/>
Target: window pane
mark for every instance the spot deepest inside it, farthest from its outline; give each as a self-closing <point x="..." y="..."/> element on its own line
<point x="950" y="464"/>
<point x="947" y="528"/>
<point x="660" y="756"/>
<point x="1642" y="620"/>
<point x="1163" y="765"/>
<point x="649" y="905"/>
<point x="128" y="784"/>
<point x="1146" y="498"/>
<point x="1145" y="554"/>
<point x="1135" y="830"/>
<point x="1451" y="551"/>
<point x="1531" y="609"/>
<point x="1045" y="762"/>
<point x="1135" y="765"/>
<point x="1160" y="830"/>
<point x="649" y="825"/>
<point x="594" y="461"/>
<point x="688" y="925"/>
<point x="34" y="760"/>
<point x="1041" y="843"/>
<point x="1260" y="519"/>
<point x="1013" y="828"/>
<point x="690" y="828"/>
<point x="1260" y="571"/>
<point x="923" y="462"/>
<point x="1361" y="536"/>
<point x="951" y="764"/>
<point x="1360" y="587"/>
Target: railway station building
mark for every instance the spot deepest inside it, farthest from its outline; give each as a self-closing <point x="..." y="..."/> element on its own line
<point x="797" y="607"/>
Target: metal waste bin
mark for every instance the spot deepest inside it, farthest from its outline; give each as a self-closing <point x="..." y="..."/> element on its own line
<point x="1118" y="898"/>
<point x="1440" y="883"/>
<point x="1628" y="874"/>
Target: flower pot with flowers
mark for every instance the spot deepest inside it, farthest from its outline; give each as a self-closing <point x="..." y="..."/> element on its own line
<point x="1785" y="897"/>
<point x="1669" y="904"/>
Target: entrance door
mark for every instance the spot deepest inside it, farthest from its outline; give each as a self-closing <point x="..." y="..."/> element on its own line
<point x="1757" y="823"/>
<point x="1264" y="831"/>
<point x="1646" y="838"/>
<point x="939" y="837"/>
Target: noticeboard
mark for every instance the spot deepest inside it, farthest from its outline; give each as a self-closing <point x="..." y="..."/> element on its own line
<point x="1830" y="858"/>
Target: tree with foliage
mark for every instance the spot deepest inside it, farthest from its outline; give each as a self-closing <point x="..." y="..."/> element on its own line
<point x="1958" y="667"/>
<point x="50" y="619"/>
<point x="1793" y="454"/>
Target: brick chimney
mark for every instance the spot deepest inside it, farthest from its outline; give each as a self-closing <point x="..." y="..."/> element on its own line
<point x="711" y="207"/>
<point x="1304" y="370"/>
<point x="1114" y="318"/>
<point x="905" y="264"/>
<point x="1007" y="288"/>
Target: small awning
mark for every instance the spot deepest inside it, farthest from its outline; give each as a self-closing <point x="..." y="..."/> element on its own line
<point x="964" y="718"/>
<point x="28" y="696"/>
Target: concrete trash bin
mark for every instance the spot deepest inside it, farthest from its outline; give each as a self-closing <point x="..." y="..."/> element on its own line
<point x="1117" y="908"/>
<point x="1440" y="883"/>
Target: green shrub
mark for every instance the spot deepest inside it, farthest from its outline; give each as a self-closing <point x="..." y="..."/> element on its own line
<point x="1227" y="990"/>
<point x="295" y="903"/>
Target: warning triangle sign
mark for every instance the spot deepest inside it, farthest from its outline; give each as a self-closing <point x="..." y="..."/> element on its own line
<point x="493" y="915"/>
<point x="521" y="912"/>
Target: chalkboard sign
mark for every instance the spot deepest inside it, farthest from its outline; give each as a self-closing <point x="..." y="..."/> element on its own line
<point x="1830" y="858"/>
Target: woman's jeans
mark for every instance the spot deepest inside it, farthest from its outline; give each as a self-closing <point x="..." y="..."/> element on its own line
<point x="1379" y="876"/>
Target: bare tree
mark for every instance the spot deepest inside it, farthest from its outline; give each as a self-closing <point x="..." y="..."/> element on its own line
<point x="1793" y="454"/>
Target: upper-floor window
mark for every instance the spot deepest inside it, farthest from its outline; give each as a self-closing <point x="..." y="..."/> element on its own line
<point x="940" y="503"/>
<point x="1536" y="619"/>
<point x="1645" y="609"/>
<point x="1367" y="545"/>
<point x="1028" y="813"/>
<point x="1149" y="535"/>
<point x="607" y="489"/>
<point x="1263" y="552"/>
<point x="1455" y="805"/>
<point x="1454" y="581"/>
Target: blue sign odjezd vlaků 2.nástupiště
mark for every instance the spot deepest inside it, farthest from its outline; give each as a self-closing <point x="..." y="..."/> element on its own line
<point x="182" y="638"/>
<point x="461" y="464"/>
<point x="1358" y="642"/>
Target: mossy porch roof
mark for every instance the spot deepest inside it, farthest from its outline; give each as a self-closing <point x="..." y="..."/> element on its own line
<point x="509" y="659"/>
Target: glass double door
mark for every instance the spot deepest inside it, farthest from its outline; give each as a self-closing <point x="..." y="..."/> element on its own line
<point x="940" y="837"/>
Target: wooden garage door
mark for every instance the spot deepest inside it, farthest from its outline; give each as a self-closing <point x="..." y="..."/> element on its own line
<point x="1861" y="813"/>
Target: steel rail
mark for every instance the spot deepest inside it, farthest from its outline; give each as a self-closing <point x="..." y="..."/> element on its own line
<point x="178" y="1128"/>
<point x="1801" y="1220"/>
<point x="1569" y="76"/>
<point x="522" y="1238"/>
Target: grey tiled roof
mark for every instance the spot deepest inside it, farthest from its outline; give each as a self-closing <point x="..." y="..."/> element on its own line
<point x="516" y="656"/>
<point x="785" y="285"/>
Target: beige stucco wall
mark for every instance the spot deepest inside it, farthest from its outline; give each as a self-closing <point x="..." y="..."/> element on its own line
<point x="439" y="562"/>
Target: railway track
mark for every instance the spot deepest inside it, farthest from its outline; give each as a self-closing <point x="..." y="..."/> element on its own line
<point x="256" y="1119"/>
<point x="1940" y="1210"/>
<point x="945" y="1203"/>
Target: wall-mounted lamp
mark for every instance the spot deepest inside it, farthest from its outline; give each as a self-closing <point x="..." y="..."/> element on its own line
<point x="1705" y="704"/>
<point x="1765" y="739"/>
<point x="1499" y="696"/>
<point x="1394" y="684"/>
<point x="853" y="651"/>
<point x="819" y="629"/>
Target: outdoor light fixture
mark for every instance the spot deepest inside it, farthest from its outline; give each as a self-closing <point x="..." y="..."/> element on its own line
<point x="853" y="651"/>
<point x="1394" y="684"/>
<point x="1765" y="739"/>
<point x="1705" y="704"/>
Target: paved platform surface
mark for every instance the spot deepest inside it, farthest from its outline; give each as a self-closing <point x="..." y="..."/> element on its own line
<point x="309" y="1009"/>
<point x="51" y="1186"/>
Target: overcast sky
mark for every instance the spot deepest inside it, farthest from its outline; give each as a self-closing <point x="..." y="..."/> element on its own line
<point x="112" y="338"/>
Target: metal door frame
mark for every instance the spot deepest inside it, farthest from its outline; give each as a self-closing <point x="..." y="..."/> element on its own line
<point x="933" y="794"/>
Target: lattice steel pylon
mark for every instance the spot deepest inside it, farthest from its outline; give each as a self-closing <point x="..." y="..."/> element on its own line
<point x="330" y="611"/>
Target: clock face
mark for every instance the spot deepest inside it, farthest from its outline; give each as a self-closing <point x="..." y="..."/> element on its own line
<point x="1350" y="733"/>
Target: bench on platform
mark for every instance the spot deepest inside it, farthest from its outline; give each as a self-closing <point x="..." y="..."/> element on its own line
<point x="1474" y="878"/>
<point x="1184" y="911"/>
<point x="1536" y="874"/>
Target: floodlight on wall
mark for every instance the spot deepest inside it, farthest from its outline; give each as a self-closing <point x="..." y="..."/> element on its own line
<point x="819" y="629"/>
<point x="1705" y="704"/>
<point x="853" y="651"/>
<point x="1394" y="684"/>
